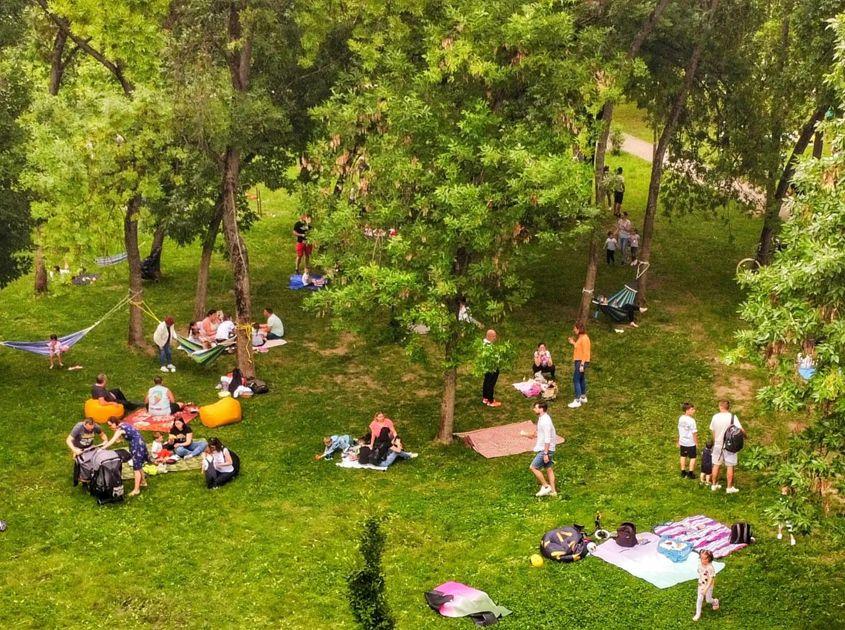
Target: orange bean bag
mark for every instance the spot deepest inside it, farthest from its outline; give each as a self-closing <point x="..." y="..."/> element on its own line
<point x="99" y="412"/>
<point x="224" y="411"/>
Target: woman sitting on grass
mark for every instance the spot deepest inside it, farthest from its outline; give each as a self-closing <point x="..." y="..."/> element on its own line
<point x="219" y="465"/>
<point x="181" y="440"/>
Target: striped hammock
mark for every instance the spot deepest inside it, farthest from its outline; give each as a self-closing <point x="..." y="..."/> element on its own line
<point x="201" y="355"/>
<point x="108" y="261"/>
<point x="616" y="303"/>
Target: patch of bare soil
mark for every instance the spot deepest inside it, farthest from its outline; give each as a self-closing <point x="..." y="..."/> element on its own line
<point x="347" y="340"/>
<point x="738" y="388"/>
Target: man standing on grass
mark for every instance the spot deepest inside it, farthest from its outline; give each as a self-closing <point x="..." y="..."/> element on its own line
<point x="544" y="451"/>
<point x="618" y="191"/>
<point x="488" y="389"/>
<point x="303" y="247"/>
<point x="718" y="426"/>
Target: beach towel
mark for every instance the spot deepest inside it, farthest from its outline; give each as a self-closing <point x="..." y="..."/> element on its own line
<point x="143" y="421"/>
<point x="646" y="562"/>
<point x="268" y="345"/>
<point x="703" y="532"/>
<point x="353" y="463"/>
<point x="501" y="441"/>
<point x="453" y="599"/>
<point x="296" y="282"/>
<point x="182" y="465"/>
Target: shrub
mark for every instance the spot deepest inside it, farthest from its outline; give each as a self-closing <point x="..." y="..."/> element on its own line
<point x="366" y="585"/>
<point x="617" y="139"/>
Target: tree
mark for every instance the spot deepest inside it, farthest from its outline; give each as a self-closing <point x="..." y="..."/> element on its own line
<point x="367" y="598"/>
<point x="14" y="199"/>
<point x="795" y="305"/>
<point x="461" y="141"/>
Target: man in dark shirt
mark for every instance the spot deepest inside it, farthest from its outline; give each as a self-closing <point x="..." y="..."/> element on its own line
<point x="82" y="435"/>
<point x="303" y="247"/>
<point x="106" y="396"/>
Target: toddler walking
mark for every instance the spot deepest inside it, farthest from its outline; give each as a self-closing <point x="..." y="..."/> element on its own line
<point x="706" y="582"/>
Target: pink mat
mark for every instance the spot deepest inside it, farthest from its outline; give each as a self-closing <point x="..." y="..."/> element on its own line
<point x="501" y="441"/>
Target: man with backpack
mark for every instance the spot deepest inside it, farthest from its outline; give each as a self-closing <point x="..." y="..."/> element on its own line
<point x="728" y="440"/>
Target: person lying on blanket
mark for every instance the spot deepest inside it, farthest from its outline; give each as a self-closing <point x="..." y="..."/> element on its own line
<point x="397" y="451"/>
<point x="160" y="400"/>
<point x="334" y="444"/>
<point x="309" y="280"/>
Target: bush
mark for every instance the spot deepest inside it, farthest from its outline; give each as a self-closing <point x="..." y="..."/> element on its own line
<point x="617" y="139"/>
<point x="366" y="585"/>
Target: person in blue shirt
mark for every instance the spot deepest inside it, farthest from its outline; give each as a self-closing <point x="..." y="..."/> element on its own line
<point x="335" y="443"/>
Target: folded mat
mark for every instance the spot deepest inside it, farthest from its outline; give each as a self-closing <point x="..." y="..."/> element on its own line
<point x="702" y="532"/>
<point x="143" y="421"/>
<point x="453" y="599"/>
<point x="296" y="282"/>
<point x="192" y="463"/>
<point x="353" y="463"/>
<point x="501" y="441"/>
<point x="644" y="561"/>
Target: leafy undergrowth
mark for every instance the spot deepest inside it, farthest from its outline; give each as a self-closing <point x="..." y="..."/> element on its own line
<point x="272" y="549"/>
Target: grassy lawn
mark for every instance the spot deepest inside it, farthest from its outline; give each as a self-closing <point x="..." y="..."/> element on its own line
<point x="272" y="549"/>
<point x="633" y="121"/>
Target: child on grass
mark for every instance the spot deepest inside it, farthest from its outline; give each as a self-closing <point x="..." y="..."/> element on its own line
<point x="158" y="450"/>
<point x="56" y="349"/>
<point x="610" y="246"/>
<point x="334" y="444"/>
<point x="687" y="440"/>
<point x="706" y="582"/>
<point x="706" y="463"/>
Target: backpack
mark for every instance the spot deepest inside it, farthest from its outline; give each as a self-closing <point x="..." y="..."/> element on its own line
<point x="733" y="440"/>
<point x="741" y="534"/>
<point x="565" y="544"/>
<point x="258" y="386"/>
<point x="626" y="535"/>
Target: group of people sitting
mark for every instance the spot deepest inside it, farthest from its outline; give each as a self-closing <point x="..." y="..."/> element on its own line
<point x="381" y="446"/>
<point x="217" y="328"/>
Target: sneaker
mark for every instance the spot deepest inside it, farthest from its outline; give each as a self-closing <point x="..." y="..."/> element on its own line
<point x="494" y="403"/>
<point x="574" y="404"/>
<point x="484" y="401"/>
<point x="716" y="486"/>
<point x="544" y="491"/>
<point x="414" y="455"/>
<point x="171" y="367"/>
<point x="715" y="604"/>
<point x="696" y="618"/>
<point x="634" y="325"/>
<point x="684" y="474"/>
<point x="731" y="490"/>
<point x="583" y="399"/>
<point x="164" y="368"/>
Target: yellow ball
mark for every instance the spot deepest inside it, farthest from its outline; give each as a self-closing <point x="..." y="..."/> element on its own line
<point x="536" y="560"/>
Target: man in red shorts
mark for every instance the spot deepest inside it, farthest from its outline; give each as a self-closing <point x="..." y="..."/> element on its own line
<point x="303" y="247"/>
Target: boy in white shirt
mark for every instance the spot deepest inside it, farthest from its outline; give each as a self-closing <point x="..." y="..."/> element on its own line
<point x="687" y="440"/>
<point x="225" y="330"/>
<point x="544" y="451"/>
<point x="718" y="425"/>
<point x="610" y="248"/>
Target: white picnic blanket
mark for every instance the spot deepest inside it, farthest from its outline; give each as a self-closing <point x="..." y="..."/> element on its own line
<point x="352" y="463"/>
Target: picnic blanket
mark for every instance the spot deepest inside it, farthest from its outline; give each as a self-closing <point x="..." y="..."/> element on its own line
<point x="143" y="421"/>
<point x="501" y="441"/>
<point x="296" y="282"/>
<point x="268" y="345"/>
<point x="529" y="389"/>
<point x="353" y="463"/>
<point x="703" y="533"/>
<point x="192" y="463"/>
<point x="645" y="562"/>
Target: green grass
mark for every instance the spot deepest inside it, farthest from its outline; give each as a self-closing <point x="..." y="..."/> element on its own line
<point x="633" y="121"/>
<point x="272" y="549"/>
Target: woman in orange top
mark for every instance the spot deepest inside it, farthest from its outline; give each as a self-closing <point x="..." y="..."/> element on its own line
<point x="581" y="361"/>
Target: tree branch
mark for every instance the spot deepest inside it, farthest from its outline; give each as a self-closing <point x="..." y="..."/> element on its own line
<point x="113" y="67"/>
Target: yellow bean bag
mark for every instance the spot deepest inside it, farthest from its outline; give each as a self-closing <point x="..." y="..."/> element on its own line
<point x="224" y="411"/>
<point x="99" y="412"/>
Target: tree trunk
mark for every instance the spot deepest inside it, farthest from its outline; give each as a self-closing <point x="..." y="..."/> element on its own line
<point x="40" y="272"/>
<point x="156" y="248"/>
<point x="205" y="262"/>
<point x="771" y="220"/>
<point x="238" y="258"/>
<point x="447" y="406"/>
<point x="588" y="291"/>
<point x="644" y="254"/>
<point x="133" y="258"/>
<point x="818" y="145"/>
<point x="57" y="63"/>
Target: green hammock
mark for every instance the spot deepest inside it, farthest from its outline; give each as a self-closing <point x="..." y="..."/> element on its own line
<point x="200" y="355"/>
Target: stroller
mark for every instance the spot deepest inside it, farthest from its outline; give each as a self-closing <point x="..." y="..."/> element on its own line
<point x="100" y="470"/>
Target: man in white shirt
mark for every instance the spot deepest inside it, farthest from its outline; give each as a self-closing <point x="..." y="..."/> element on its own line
<point x="718" y="425"/>
<point x="225" y="330"/>
<point x="275" y="329"/>
<point x="687" y="440"/>
<point x="544" y="451"/>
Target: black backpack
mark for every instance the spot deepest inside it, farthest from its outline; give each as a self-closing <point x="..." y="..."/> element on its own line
<point x="626" y="535"/>
<point x="258" y="386"/>
<point x="741" y="534"/>
<point x="734" y="439"/>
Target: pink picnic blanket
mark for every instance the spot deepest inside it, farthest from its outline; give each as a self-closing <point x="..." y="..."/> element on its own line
<point x="142" y="420"/>
<point x="703" y="533"/>
<point x="501" y="441"/>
